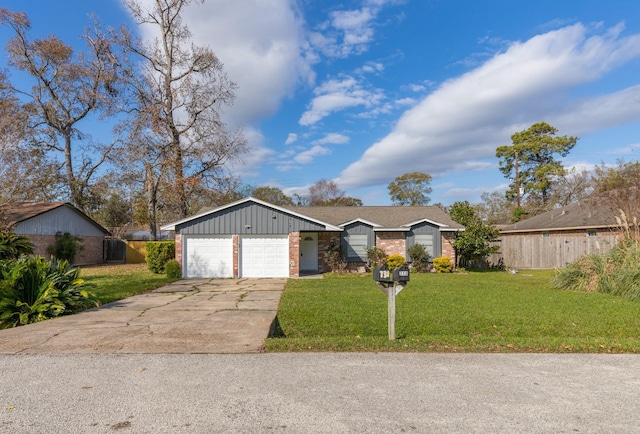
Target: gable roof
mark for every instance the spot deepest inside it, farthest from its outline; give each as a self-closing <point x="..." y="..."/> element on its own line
<point x="334" y="218"/>
<point x="18" y="212"/>
<point x="585" y="214"/>
<point x="172" y="226"/>
<point x="382" y="217"/>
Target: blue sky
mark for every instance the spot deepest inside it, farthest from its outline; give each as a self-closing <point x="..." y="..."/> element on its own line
<point x="362" y="91"/>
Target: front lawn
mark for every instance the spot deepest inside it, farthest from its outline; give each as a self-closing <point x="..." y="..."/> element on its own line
<point x="115" y="282"/>
<point x="474" y="312"/>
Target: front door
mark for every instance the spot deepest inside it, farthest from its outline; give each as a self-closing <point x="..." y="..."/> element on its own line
<point x="309" y="251"/>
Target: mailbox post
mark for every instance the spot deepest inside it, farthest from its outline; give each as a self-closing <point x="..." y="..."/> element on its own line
<point x="391" y="283"/>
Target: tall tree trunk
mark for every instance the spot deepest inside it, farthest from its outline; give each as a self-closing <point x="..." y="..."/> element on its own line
<point x="151" y="187"/>
<point x="75" y="195"/>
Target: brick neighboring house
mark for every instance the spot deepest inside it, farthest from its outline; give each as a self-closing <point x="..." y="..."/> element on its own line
<point x="558" y="237"/>
<point x="40" y="221"/>
<point x="253" y="238"/>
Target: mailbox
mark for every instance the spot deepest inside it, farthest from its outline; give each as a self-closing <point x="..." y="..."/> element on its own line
<point x="382" y="274"/>
<point x="401" y="274"/>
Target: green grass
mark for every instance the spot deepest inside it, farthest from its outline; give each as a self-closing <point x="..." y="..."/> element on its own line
<point x="474" y="312"/>
<point x="115" y="282"/>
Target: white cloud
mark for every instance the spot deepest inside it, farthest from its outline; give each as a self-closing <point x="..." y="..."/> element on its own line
<point x="405" y="102"/>
<point x="371" y="67"/>
<point x="348" y="32"/>
<point x="291" y="138"/>
<point x="463" y="121"/>
<point x="247" y="168"/>
<point x="261" y="45"/>
<point x="307" y="156"/>
<point x="626" y="150"/>
<point x="332" y="139"/>
<point x="336" y="95"/>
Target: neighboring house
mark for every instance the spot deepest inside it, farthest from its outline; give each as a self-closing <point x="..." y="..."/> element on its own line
<point x="40" y="221"/>
<point x="558" y="237"/>
<point x="253" y="238"/>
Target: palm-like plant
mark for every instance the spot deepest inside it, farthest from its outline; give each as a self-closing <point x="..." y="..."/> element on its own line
<point x="12" y="246"/>
<point x="33" y="289"/>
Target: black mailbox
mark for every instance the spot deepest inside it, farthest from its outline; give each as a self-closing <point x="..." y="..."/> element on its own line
<point x="382" y="274"/>
<point x="401" y="274"/>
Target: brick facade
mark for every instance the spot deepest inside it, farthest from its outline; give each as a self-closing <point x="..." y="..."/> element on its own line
<point x="178" y="239"/>
<point x="325" y="241"/>
<point x="447" y="248"/>
<point x="392" y="243"/>
<point x="92" y="252"/>
<point x="294" y="254"/>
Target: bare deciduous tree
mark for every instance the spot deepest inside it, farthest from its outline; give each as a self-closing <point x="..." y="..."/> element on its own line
<point x="326" y="193"/>
<point x="179" y="90"/>
<point x="67" y="87"/>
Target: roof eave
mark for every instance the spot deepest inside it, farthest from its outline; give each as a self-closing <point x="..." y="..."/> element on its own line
<point x="172" y="226"/>
<point x="381" y="229"/>
<point x="567" y="228"/>
<point x="426" y="220"/>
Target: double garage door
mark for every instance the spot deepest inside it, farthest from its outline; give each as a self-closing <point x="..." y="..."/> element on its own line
<point x="257" y="256"/>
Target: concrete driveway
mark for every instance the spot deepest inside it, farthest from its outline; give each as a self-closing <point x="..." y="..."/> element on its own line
<point x="188" y="316"/>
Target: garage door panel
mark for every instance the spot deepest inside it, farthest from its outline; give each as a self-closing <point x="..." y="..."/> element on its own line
<point x="209" y="257"/>
<point x="264" y="256"/>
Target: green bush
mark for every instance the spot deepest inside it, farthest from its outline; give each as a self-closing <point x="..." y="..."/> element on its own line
<point x="66" y="247"/>
<point x="442" y="264"/>
<point x="376" y="257"/>
<point x="33" y="289"/>
<point x="173" y="269"/>
<point x="333" y="256"/>
<point x="419" y="258"/>
<point x="158" y="253"/>
<point x="12" y="246"/>
<point x="394" y="261"/>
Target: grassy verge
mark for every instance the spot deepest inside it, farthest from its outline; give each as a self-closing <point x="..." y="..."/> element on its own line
<point x="115" y="282"/>
<point x="474" y="312"/>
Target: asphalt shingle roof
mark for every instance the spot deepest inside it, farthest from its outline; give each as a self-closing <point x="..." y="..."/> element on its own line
<point x="17" y="212"/>
<point x="384" y="216"/>
<point x="584" y="214"/>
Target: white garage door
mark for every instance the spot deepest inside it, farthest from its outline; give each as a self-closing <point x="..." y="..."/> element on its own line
<point x="209" y="257"/>
<point x="264" y="256"/>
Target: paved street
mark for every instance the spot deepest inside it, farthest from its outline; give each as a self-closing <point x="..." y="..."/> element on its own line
<point x="168" y="361"/>
<point x="320" y="393"/>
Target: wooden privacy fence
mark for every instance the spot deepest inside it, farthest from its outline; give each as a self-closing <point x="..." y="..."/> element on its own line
<point x="136" y="251"/>
<point x="114" y="250"/>
<point x="536" y="251"/>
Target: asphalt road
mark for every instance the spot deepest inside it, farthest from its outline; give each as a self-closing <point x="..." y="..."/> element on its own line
<point x="320" y="393"/>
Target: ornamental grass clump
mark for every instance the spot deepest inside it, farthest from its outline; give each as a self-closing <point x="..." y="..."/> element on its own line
<point x="616" y="272"/>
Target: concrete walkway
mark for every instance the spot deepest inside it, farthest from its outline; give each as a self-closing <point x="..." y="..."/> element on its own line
<point x="188" y="316"/>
